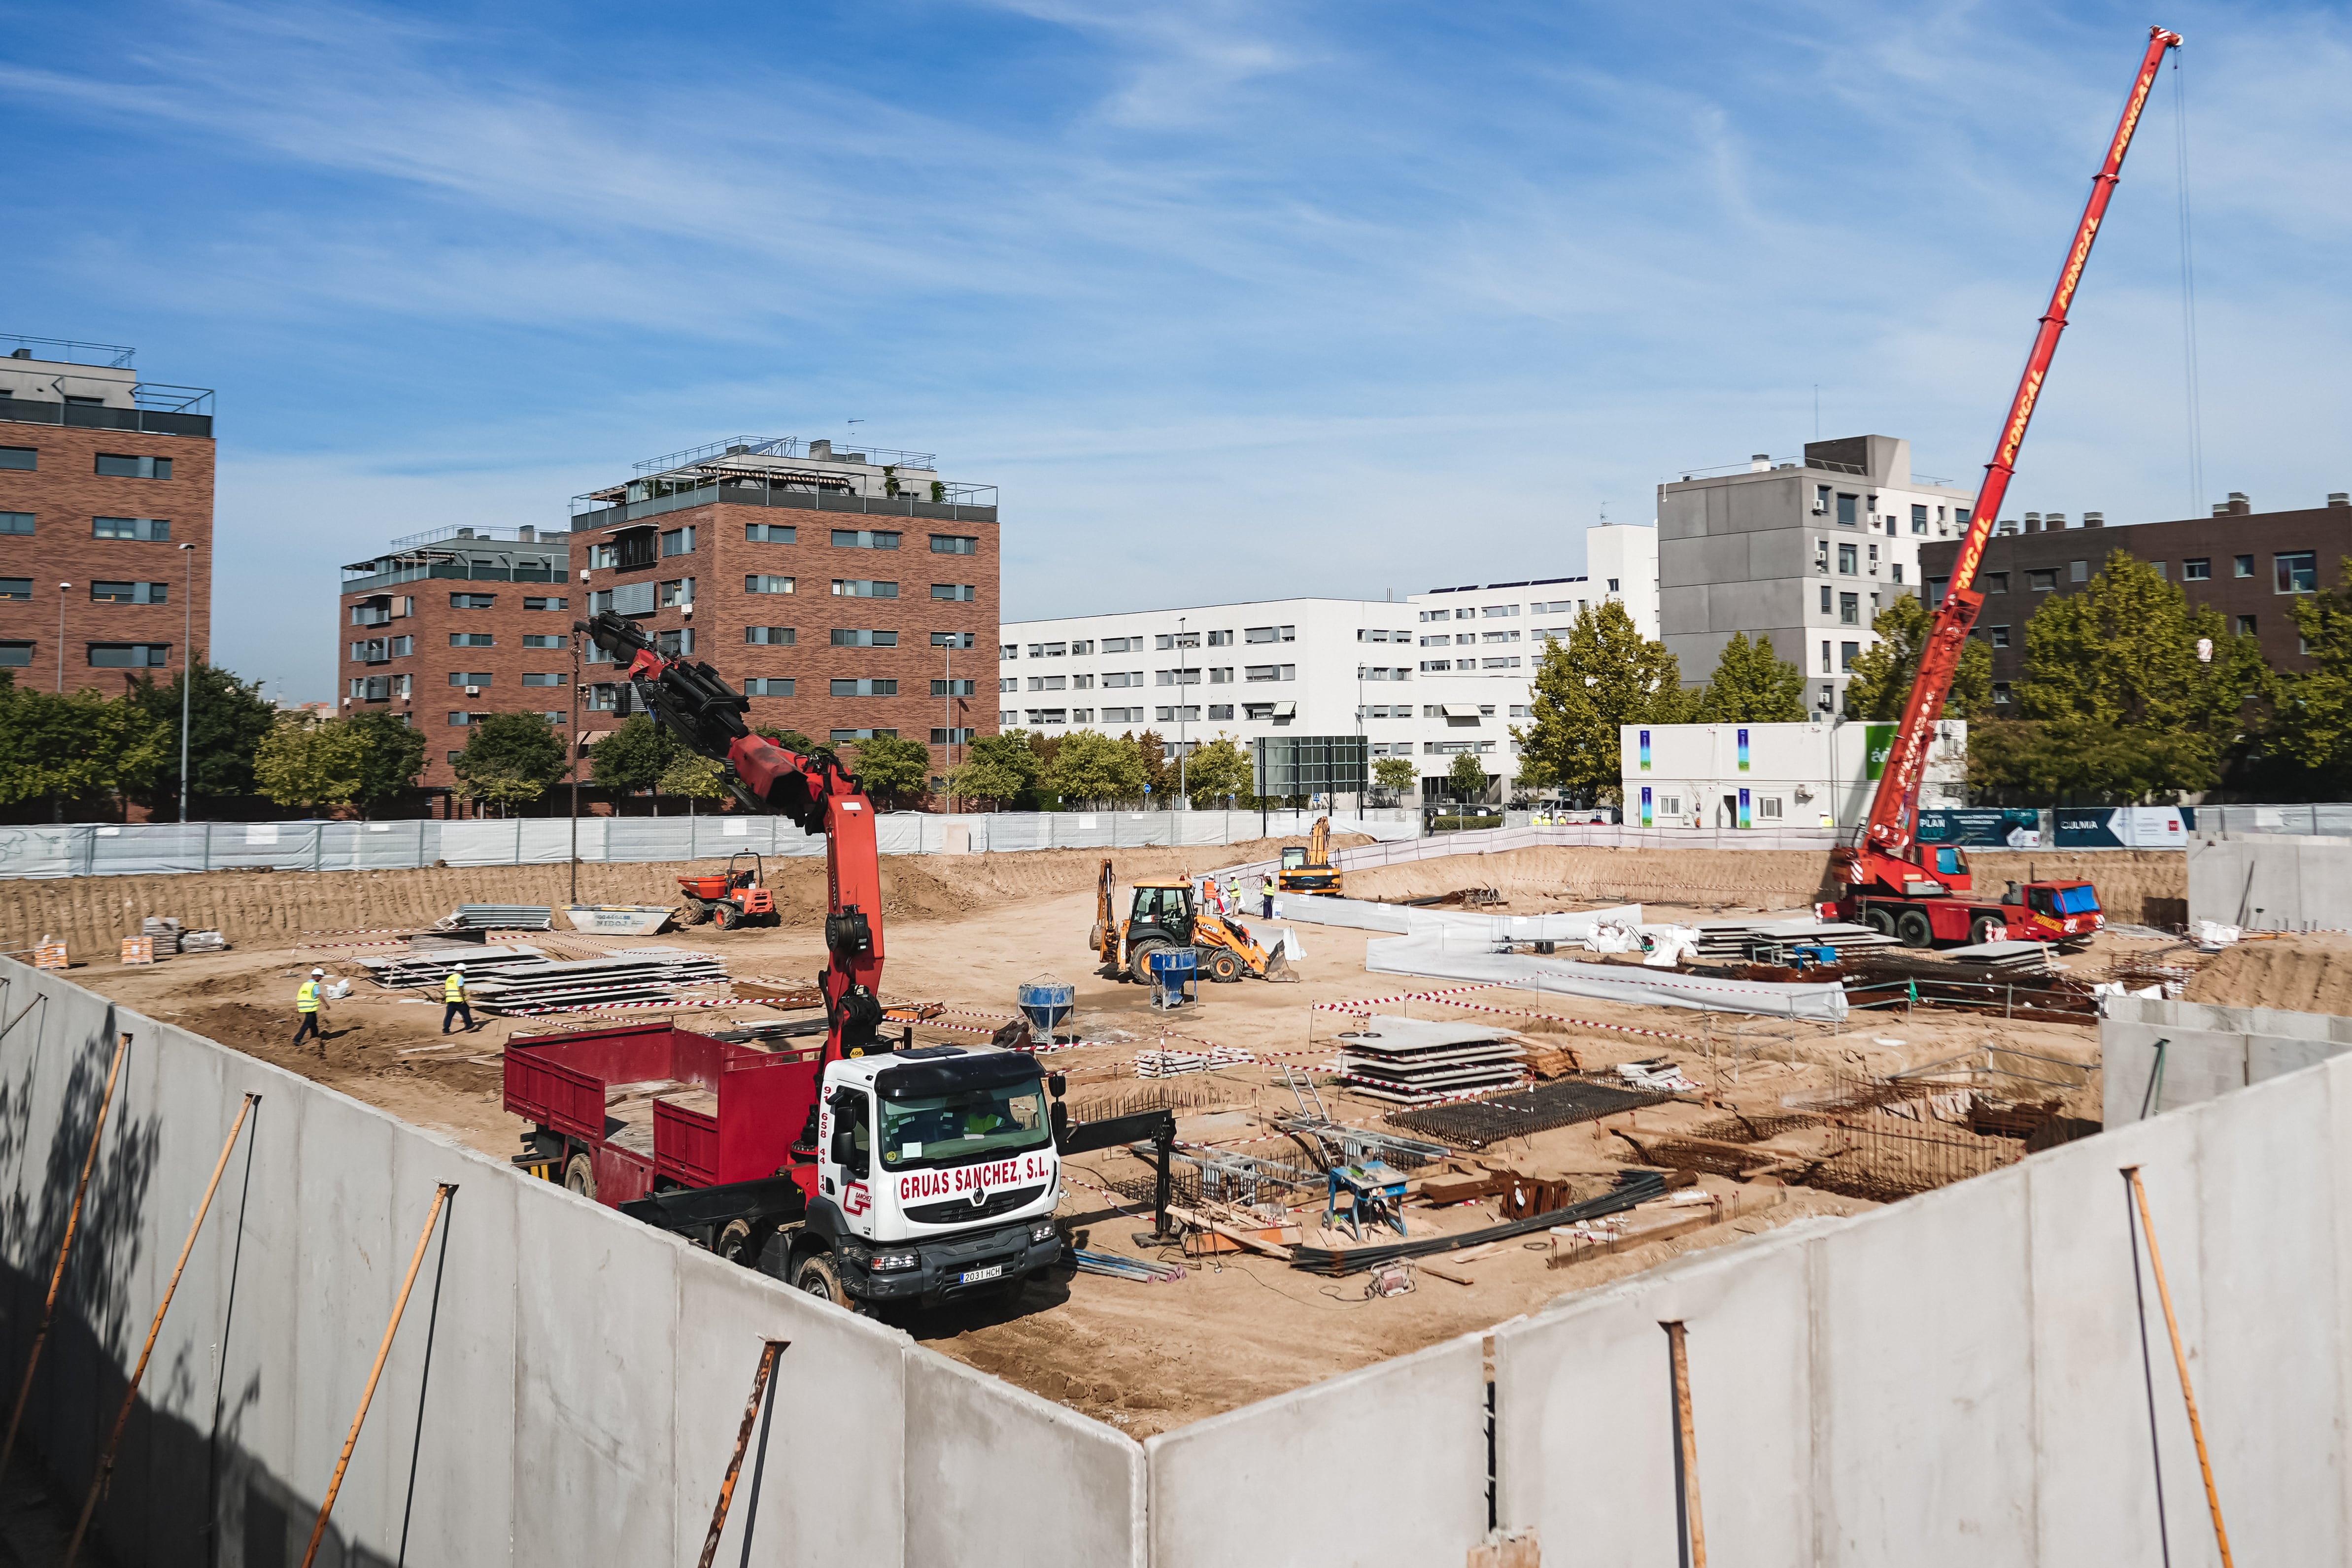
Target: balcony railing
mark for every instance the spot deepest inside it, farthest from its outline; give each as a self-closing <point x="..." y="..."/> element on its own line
<point x="174" y="418"/>
<point x="964" y="504"/>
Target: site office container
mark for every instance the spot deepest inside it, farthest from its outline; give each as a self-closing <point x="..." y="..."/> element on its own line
<point x="732" y="1113"/>
<point x="1792" y="776"/>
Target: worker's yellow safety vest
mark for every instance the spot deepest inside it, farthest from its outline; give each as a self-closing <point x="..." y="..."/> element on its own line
<point x="306" y="999"/>
<point x="453" y="988"/>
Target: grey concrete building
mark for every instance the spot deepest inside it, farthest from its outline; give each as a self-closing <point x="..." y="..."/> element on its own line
<point x="1803" y="551"/>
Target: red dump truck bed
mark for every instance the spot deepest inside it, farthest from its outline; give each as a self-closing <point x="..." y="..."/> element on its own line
<point x="655" y="1106"/>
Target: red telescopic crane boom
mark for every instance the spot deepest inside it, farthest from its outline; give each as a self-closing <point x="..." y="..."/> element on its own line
<point x="1890" y="834"/>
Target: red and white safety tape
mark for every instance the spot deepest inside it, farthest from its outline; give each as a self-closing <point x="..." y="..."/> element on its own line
<point x="607" y="1006"/>
<point x="343" y="946"/>
<point x="1371" y="1002"/>
<point x="1582" y="1023"/>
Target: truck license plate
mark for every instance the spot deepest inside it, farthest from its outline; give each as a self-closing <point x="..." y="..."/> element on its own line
<point x="975" y="1276"/>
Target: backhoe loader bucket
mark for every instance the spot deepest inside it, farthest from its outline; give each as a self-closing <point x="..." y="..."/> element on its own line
<point x="1277" y="967"/>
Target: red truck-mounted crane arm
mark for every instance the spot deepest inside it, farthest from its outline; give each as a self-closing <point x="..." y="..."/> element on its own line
<point x="814" y="792"/>
<point x="1886" y="853"/>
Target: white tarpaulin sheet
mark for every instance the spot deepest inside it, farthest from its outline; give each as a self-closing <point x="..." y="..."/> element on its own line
<point x="1364" y="915"/>
<point x="1447" y="954"/>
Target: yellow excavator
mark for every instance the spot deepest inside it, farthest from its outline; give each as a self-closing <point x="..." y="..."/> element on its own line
<point x="1309" y="870"/>
<point x="1163" y="916"/>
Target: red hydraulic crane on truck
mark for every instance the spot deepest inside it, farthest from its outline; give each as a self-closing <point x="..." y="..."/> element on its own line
<point x="866" y="1170"/>
<point x="1891" y="884"/>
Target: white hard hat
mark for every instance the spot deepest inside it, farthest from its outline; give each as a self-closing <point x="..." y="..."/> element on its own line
<point x="461" y="968"/>
<point x="318" y="974"/>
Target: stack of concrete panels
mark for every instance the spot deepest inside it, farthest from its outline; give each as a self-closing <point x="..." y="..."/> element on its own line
<point x="1410" y="1061"/>
<point x="1731" y="941"/>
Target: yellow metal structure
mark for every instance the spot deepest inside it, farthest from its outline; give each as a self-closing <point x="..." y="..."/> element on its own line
<point x="1163" y="915"/>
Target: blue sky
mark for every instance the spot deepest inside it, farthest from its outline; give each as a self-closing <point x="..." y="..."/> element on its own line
<point x="1228" y="298"/>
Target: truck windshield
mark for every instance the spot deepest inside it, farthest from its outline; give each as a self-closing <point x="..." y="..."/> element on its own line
<point x="963" y="1124"/>
<point x="2077" y="901"/>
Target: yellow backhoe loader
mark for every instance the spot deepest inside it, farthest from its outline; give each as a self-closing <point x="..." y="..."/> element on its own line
<point x="1163" y="916"/>
<point x="1309" y="870"/>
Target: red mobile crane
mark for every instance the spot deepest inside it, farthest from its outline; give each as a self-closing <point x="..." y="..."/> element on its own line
<point x="1891" y="886"/>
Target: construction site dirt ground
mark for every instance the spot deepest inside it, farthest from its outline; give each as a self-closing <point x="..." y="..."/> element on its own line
<point x="967" y="930"/>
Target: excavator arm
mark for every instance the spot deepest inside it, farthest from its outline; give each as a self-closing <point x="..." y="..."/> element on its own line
<point x="814" y="791"/>
<point x="1886" y="852"/>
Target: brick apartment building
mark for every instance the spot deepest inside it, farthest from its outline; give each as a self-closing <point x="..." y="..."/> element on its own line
<point x="447" y="627"/>
<point x="847" y="594"/>
<point x="106" y="517"/>
<point x="2247" y="564"/>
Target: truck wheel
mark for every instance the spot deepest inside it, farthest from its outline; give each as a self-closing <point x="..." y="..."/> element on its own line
<point x="1225" y="967"/>
<point x="726" y="914"/>
<point x="1913" y="930"/>
<point x="1988" y="929"/>
<point x="580" y="1175"/>
<point x="818" y="1276"/>
<point x="1139" y="962"/>
<point x="697" y="911"/>
<point x="1879" y="921"/>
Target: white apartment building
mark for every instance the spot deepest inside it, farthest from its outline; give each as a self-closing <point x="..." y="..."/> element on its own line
<point x="1804" y="551"/>
<point x="1323" y="667"/>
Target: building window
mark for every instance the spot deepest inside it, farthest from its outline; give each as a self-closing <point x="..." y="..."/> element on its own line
<point x="151" y="530"/>
<point x="2245" y="625"/>
<point x="773" y="636"/>
<point x="2000" y="698"/>
<point x="864" y="539"/>
<point x="863" y="734"/>
<point x="547" y="604"/>
<point x="851" y="636"/>
<point x="1850" y="609"/>
<point x="1849" y="559"/>
<point x="1225" y="639"/>
<point x="954" y="544"/>
<point x="28" y="458"/>
<point x="952" y="687"/>
<point x="472" y="601"/>
<point x="2198" y="570"/>
<point x="956" y="593"/>
<point x="865" y="686"/>
<point x="127" y="593"/>
<point x="556" y="678"/>
<point x="1769" y="806"/>
<point x="1173" y="715"/>
<point x="771" y="534"/>
<point x="129" y="655"/>
<point x="1897" y="568"/>
<point x="1013" y="649"/>
<point x="1847" y="653"/>
<point x="675" y="644"/>
<point x="1996" y="582"/>
<point x="1053" y="683"/>
<point x="767" y="686"/>
<point x="1820" y="554"/>
<point x="677" y="542"/>
<point x="459" y="718"/>
<point x="1221" y="710"/>
<point x="1048" y="649"/>
<point x="951" y="639"/>
<point x="2043" y="581"/>
<point x="2078" y="571"/>
<point x="122" y="467"/>
<point x="758" y="583"/>
<point x="2242" y="565"/>
<point x="2298" y="571"/>
<point x="1274" y="634"/>
<point x="541" y="639"/>
<point x="675" y="591"/>
<point x="1845" y="515"/>
<point x="1825" y="599"/>
<point x="1269" y="672"/>
<point x="401" y="647"/>
<point x="940" y="737"/>
<point x="465" y="677"/>
<point x="16" y="522"/>
<point x="1919" y="520"/>
<point x="604" y="698"/>
<point x="1436" y="664"/>
<point x="471" y="639"/>
<point x="1999" y="635"/>
<point x="862" y="588"/>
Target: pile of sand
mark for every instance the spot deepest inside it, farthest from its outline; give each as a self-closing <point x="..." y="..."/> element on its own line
<point x="1745" y="876"/>
<point x="2298" y="973"/>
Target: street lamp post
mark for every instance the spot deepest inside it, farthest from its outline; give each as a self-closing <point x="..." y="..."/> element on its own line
<point x="61" y="636"/>
<point x="572" y="741"/>
<point x="1181" y="793"/>
<point x="187" y="668"/>
<point x="947" y="712"/>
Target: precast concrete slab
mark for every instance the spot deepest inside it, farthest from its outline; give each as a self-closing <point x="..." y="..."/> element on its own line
<point x="1382" y="1468"/>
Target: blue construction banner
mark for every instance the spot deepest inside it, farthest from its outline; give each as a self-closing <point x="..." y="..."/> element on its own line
<point x="1985" y="827"/>
<point x="2124" y="827"/>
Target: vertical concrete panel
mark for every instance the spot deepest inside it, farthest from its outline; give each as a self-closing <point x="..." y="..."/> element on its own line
<point x="1923" y="1381"/>
<point x="997" y="1478"/>
<point x="1583" y="1412"/>
<point x="833" y="1485"/>
<point x="1385" y="1465"/>
<point x="595" y="1341"/>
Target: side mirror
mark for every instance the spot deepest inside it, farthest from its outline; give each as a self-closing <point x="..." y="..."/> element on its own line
<point x="1057" y="1085"/>
<point x="845" y="1147"/>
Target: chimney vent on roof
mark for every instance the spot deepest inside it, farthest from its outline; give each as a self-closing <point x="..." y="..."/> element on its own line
<point x="2054" y="522"/>
<point x="2095" y="520"/>
<point x="2032" y="523"/>
<point x="1759" y="462"/>
<point x="738" y="450"/>
<point x="21" y="353"/>
<point x="527" y="534"/>
<point x="2338" y="498"/>
<point x="2238" y="505"/>
<point x="822" y="449"/>
<point x="465" y="533"/>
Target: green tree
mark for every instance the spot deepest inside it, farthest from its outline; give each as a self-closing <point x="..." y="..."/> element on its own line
<point x="1151" y="751"/>
<point x="511" y="759"/>
<point x="2115" y="669"/>
<point x="693" y="776"/>
<point x="392" y="754"/>
<point x="1000" y="768"/>
<point x="2312" y="724"/>
<point x="894" y="769"/>
<point x="1467" y="777"/>
<point x="1395" y="774"/>
<point x="309" y="762"/>
<point x="634" y="757"/>
<point x="1090" y="767"/>
<point x="1219" y="771"/>
<point x="1883" y="675"/>
<point x="1605" y="675"/>
<point x="791" y="740"/>
<point x="2053" y="757"/>
<point x="69" y="746"/>
<point x="226" y="720"/>
<point x="1751" y="687"/>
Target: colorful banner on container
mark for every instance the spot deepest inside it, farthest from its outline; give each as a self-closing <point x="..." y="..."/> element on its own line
<point x="1879" y="739"/>
<point x="1645" y="751"/>
<point x="2006" y="829"/>
<point x="1645" y="788"/>
<point x="1743" y="750"/>
<point x="2124" y="827"/>
<point x="1743" y="806"/>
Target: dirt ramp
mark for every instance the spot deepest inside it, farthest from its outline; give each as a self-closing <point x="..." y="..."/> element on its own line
<point x="1737" y="877"/>
<point x="2297" y="973"/>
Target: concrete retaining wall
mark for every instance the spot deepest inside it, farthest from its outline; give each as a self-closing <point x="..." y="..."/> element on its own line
<point x="2272" y="882"/>
<point x="2208" y="1050"/>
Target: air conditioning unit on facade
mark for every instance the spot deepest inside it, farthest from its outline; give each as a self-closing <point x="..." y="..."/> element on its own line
<point x="473" y="691"/>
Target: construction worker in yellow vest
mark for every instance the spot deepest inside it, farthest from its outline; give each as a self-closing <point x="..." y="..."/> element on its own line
<point x="308" y="1001"/>
<point x="1266" y="896"/>
<point x="452" y="999"/>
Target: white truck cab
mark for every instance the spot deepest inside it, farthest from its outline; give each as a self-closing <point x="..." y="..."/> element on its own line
<point x="937" y="1176"/>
